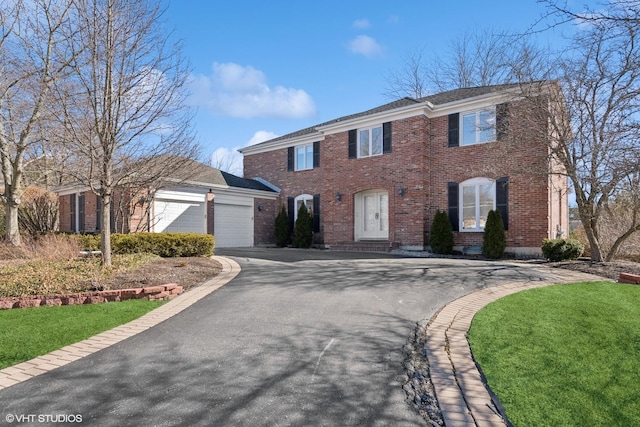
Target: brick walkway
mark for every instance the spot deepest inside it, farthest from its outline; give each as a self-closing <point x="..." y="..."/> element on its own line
<point x="460" y="391"/>
<point x="31" y="368"/>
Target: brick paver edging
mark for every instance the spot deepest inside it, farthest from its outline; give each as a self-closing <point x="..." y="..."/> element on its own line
<point x="152" y="293"/>
<point x="461" y="393"/>
<point x="31" y="368"/>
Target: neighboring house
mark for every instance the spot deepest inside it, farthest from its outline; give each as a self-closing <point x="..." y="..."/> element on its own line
<point x="375" y="179"/>
<point x="210" y="201"/>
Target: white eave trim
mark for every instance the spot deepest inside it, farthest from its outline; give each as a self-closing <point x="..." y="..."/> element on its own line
<point x="284" y="143"/>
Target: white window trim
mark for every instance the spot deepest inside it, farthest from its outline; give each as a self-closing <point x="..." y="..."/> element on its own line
<point x="308" y="201"/>
<point x="297" y="167"/>
<point x="474" y="182"/>
<point x="477" y="130"/>
<point x="370" y="129"/>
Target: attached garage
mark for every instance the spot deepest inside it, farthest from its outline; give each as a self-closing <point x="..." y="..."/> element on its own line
<point x="233" y="225"/>
<point x="179" y="212"/>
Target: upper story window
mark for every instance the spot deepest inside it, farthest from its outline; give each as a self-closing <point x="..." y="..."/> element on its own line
<point x="370" y="142"/>
<point x="304" y="157"/>
<point x="478" y="127"/>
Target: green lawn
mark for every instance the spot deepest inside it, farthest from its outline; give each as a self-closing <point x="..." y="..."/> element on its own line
<point x="30" y="332"/>
<point x="565" y="355"/>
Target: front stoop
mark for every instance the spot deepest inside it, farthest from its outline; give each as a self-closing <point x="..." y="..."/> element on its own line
<point x="366" y="246"/>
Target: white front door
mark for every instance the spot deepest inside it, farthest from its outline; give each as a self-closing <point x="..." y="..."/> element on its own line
<point x="372" y="215"/>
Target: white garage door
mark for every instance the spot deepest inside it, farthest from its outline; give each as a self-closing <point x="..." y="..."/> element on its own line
<point x="233" y="226"/>
<point x="179" y="217"/>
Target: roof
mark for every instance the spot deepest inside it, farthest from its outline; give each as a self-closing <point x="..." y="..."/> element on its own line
<point x="239" y="182"/>
<point x="435" y="100"/>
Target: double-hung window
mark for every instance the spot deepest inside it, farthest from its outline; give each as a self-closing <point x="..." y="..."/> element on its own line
<point x="478" y="127"/>
<point x="477" y="198"/>
<point x="370" y="142"/>
<point x="304" y="157"/>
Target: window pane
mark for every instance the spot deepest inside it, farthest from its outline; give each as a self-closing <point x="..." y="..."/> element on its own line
<point x="364" y="143"/>
<point x="469" y="129"/>
<point x="486" y="202"/>
<point x="487" y="126"/>
<point x="309" y="157"/>
<point x="469" y="207"/>
<point x="376" y="143"/>
<point x="299" y="158"/>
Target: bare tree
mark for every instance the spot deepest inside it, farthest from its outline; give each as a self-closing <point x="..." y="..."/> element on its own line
<point x="33" y="60"/>
<point x="593" y="121"/>
<point x="475" y="58"/>
<point x="126" y="123"/>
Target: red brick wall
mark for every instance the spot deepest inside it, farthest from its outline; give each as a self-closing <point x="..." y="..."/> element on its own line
<point x="264" y="221"/>
<point x="422" y="163"/>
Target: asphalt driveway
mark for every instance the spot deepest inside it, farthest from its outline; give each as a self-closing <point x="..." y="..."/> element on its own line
<point x="297" y="338"/>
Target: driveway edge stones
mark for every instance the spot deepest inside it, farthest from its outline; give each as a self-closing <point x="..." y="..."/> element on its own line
<point x="26" y="370"/>
<point x="458" y="385"/>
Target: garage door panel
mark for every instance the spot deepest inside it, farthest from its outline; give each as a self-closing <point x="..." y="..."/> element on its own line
<point x="233" y="225"/>
<point x="179" y="217"/>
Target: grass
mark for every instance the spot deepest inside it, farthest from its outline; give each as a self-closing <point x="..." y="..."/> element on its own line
<point x="565" y="355"/>
<point x="31" y="332"/>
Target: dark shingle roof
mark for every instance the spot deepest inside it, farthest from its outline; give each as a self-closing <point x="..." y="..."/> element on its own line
<point x="239" y="182"/>
<point x="436" y="99"/>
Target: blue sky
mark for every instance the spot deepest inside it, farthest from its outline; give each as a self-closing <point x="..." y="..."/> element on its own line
<point x="266" y="68"/>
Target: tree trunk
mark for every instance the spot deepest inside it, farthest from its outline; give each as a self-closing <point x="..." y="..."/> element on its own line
<point x="105" y="241"/>
<point x="594" y="244"/>
<point x="11" y="221"/>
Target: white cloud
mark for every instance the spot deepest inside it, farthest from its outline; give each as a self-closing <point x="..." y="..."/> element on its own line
<point x="261" y="136"/>
<point x="238" y="91"/>
<point x="230" y="160"/>
<point x="365" y="45"/>
<point x="361" y="24"/>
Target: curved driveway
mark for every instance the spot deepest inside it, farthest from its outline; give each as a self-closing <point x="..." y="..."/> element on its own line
<point x="290" y="341"/>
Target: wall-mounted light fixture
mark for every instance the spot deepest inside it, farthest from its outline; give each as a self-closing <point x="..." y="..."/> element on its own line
<point x="260" y="207"/>
<point x="210" y="196"/>
<point x="338" y="197"/>
<point x="401" y="191"/>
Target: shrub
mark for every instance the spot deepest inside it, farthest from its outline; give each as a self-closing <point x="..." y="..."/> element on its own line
<point x="441" y="236"/>
<point x="561" y="249"/>
<point x="282" y="228"/>
<point x="38" y="211"/>
<point x="494" y="241"/>
<point x="303" y="232"/>
<point x="161" y="244"/>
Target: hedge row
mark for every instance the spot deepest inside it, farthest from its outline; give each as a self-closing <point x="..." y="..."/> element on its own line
<point x="162" y="244"/>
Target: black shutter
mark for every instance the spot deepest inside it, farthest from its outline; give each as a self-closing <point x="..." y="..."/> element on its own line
<point x="502" y="200"/>
<point x="291" y="212"/>
<point x="453" y="205"/>
<point x="386" y="137"/>
<point x="72" y="211"/>
<point x="316" y="213"/>
<point x="502" y="121"/>
<point x="316" y="154"/>
<point x="290" y="159"/>
<point x="81" y="216"/>
<point x="98" y="213"/>
<point x="454" y="130"/>
<point x="353" y="143"/>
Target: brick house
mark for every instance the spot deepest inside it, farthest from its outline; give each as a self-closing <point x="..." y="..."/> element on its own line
<point x="375" y="179"/>
<point x="209" y="201"/>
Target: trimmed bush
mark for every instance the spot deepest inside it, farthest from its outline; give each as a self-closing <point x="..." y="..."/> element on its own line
<point x="562" y="249"/>
<point x="441" y="236"/>
<point x="494" y="241"/>
<point x="282" y="228"/>
<point x="162" y="244"/>
<point x="303" y="232"/>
